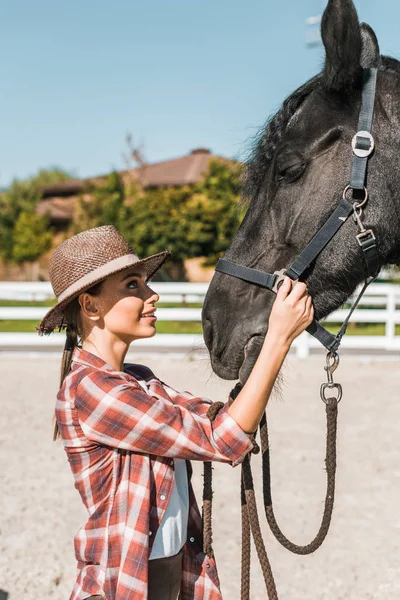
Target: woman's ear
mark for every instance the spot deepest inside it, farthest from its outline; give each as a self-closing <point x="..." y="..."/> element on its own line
<point x="89" y="306"/>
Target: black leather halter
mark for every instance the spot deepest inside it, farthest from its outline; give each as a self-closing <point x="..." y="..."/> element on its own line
<point x="363" y="146"/>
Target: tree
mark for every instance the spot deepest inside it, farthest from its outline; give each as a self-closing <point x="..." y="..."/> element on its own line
<point x="216" y="209"/>
<point x="21" y="199"/>
<point x="45" y="177"/>
<point x="155" y="222"/>
<point x="191" y="221"/>
<point x="100" y="205"/>
<point x="31" y="238"/>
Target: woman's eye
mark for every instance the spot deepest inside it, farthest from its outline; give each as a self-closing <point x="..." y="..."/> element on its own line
<point x="133" y="284"/>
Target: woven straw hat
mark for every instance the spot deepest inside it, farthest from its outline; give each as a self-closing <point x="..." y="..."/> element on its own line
<point x="86" y="259"/>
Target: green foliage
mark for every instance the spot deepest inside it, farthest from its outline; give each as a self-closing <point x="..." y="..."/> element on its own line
<point x="220" y="212"/>
<point x="191" y="221"/>
<point x="100" y="205"/>
<point x="21" y="199"/>
<point x="31" y="237"/>
<point x="45" y="177"/>
<point x="18" y="199"/>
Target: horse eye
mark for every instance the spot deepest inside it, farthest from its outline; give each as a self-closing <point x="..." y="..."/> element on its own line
<point x="291" y="172"/>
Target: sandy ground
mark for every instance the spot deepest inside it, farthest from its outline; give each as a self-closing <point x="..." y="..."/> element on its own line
<point x="40" y="510"/>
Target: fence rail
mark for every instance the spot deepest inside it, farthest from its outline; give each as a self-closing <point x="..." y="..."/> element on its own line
<point x="381" y="304"/>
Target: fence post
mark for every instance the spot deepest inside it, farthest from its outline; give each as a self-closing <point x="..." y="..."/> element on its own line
<point x="303" y="347"/>
<point x="390" y="327"/>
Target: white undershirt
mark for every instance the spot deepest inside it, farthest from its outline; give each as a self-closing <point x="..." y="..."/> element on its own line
<point x="172" y="532"/>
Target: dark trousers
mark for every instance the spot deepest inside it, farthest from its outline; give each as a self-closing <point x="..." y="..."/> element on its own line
<point x="164" y="578"/>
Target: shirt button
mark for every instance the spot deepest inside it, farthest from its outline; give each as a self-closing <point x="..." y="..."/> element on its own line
<point x="192" y="539"/>
<point x="150" y="533"/>
<point x="208" y="565"/>
<point x="162" y="497"/>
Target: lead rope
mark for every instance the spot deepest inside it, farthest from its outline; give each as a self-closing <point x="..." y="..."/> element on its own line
<point x="249" y="513"/>
<point x="330" y="463"/>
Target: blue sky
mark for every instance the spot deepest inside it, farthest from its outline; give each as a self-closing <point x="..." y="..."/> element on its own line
<point x="78" y="75"/>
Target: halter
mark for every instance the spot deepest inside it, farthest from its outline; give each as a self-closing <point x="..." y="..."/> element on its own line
<point x="363" y="145"/>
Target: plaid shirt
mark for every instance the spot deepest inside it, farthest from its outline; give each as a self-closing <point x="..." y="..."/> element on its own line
<point x="121" y="431"/>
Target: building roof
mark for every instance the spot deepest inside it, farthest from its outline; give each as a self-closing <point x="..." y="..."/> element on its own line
<point x="59" y="200"/>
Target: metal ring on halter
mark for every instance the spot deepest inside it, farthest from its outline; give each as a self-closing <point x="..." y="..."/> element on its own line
<point x="356" y="204"/>
<point x="331" y="386"/>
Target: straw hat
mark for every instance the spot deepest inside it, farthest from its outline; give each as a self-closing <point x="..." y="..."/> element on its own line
<point x="86" y="259"/>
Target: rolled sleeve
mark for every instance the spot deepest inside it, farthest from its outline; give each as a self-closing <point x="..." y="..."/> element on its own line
<point x="231" y="440"/>
<point x="120" y="414"/>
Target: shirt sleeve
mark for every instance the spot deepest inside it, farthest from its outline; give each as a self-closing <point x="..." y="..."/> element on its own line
<point x="119" y="413"/>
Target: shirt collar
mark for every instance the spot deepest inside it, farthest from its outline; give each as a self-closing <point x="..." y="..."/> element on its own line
<point x="83" y="357"/>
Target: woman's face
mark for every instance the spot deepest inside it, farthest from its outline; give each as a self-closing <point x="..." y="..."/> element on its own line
<point x="125" y="305"/>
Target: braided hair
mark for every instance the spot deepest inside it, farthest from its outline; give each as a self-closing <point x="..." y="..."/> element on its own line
<point x="75" y="335"/>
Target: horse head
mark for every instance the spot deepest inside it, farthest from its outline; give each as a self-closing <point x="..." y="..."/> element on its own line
<point x="299" y="168"/>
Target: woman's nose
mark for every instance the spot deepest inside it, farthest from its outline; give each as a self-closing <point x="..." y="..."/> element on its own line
<point x="154" y="297"/>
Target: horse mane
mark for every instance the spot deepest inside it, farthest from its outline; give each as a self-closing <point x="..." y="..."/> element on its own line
<point x="265" y="142"/>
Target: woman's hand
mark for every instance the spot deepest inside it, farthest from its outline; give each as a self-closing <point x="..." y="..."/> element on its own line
<point x="291" y="313"/>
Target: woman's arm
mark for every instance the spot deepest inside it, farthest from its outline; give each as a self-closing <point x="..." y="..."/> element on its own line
<point x="291" y="314"/>
<point x="113" y="410"/>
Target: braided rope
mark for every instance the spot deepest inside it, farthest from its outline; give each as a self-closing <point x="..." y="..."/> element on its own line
<point x="249" y="513"/>
<point x="330" y="463"/>
<point x="207" y="491"/>
<point x="246" y="547"/>
<point x="256" y="532"/>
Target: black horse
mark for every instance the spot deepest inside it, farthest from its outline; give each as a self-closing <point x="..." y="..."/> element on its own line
<point x="299" y="169"/>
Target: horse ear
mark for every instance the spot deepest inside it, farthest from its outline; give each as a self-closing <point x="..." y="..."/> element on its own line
<point x="341" y="35"/>
<point x="370" y="54"/>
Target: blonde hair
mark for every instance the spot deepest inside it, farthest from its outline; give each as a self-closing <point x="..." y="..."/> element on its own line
<point x="75" y="335"/>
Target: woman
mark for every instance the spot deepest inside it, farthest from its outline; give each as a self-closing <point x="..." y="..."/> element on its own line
<point x="129" y="437"/>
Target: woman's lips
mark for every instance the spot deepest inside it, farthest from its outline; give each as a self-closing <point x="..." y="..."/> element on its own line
<point x="149" y="316"/>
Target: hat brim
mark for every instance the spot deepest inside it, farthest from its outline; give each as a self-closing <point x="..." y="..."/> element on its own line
<point x="54" y="318"/>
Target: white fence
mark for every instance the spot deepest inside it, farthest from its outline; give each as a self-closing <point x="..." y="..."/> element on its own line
<point x="381" y="304"/>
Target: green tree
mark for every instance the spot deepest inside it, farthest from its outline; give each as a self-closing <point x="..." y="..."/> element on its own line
<point x="191" y="221"/>
<point x="215" y="208"/>
<point x="100" y="205"/>
<point x="45" y="177"/>
<point x="155" y="222"/>
<point x="31" y="238"/>
<point x="22" y="197"/>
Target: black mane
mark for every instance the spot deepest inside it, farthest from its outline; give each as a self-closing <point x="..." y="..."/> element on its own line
<point x="266" y="141"/>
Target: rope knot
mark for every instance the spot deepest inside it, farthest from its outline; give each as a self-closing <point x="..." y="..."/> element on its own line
<point x="214" y="410"/>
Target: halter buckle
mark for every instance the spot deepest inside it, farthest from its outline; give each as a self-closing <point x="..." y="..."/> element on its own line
<point x="280" y="276"/>
<point x="367" y="233"/>
<point x="363" y="144"/>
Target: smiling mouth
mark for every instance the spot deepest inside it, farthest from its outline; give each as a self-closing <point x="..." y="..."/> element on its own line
<point x="151" y="316"/>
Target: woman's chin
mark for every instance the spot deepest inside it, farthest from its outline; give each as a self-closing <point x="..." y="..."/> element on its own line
<point x="143" y="333"/>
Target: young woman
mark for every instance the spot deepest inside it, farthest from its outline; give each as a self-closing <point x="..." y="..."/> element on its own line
<point x="129" y="437"/>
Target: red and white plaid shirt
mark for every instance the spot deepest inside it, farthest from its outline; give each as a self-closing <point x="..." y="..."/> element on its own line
<point x="121" y="441"/>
